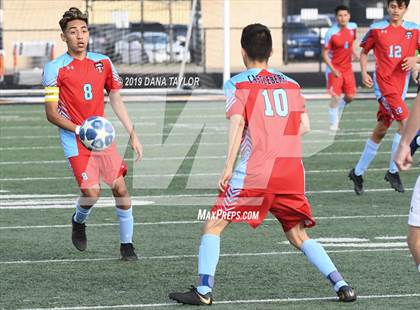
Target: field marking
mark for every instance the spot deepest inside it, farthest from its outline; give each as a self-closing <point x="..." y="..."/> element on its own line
<point x="183" y="222"/>
<point x="163" y="257"/>
<point x="14" y="148"/>
<point x="365" y="245"/>
<point x="391" y="238"/>
<point x="225" y="302"/>
<point x="63" y="161"/>
<point x="172" y="175"/>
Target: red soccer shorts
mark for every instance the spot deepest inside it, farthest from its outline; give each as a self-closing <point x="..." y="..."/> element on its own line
<point x="345" y="83"/>
<point x="391" y="107"/>
<point x="90" y="170"/>
<point x="242" y="205"/>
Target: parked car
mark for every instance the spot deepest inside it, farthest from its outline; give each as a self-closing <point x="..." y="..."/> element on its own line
<point x="102" y="38"/>
<point x="155" y="44"/>
<point x="301" y="42"/>
<point x="319" y="25"/>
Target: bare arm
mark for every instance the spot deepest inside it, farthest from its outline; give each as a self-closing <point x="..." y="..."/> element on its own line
<point x="327" y="60"/>
<point x="55" y="118"/>
<point x="120" y="110"/>
<point x="237" y="124"/>
<point x="305" y="126"/>
<point x="367" y="79"/>
<point x="403" y="157"/>
<point x="354" y="52"/>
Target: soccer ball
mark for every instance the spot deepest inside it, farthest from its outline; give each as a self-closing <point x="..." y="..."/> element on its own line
<point x="97" y="133"/>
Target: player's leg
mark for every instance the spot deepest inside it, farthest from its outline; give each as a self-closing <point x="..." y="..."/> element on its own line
<point x="208" y="257"/>
<point x="334" y="86"/>
<point x="85" y="170"/>
<point x="413" y="236"/>
<point x="349" y="90"/>
<point x="319" y="258"/>
<point x="124" y="212"/>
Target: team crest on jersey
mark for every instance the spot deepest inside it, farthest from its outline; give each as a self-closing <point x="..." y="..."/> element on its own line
<point x="408" y="35"/>
<point x="99" y="67"/>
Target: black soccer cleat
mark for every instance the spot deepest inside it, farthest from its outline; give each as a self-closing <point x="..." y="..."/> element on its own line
<point x="192" y="297"/>
<point x="357" y="181"/>
<point x="127" y="252"/>
<point x="395" y="181"/>
<point x="346" y="294"/>
<point x="78" y="235"/>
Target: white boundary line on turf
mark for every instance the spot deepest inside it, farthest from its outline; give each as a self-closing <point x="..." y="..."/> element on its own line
<point x="224" y="302"/>
<point x="53" y="161"/>
<point x="172" y="175"/>
<point x="73" y="260"/>
<point x="345" y="217"/>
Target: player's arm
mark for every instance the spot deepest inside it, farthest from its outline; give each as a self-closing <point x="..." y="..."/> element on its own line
<point x="403" y="157"/>
<point x="410" y="63"/>
<point x="305" y="125"/>
<point x="354" y="53"/>
<point x="327" y="60"/>
<point x="236" y="128"/>
<point x="121" y="111"/>
<point x="51" y="111"/>
<point x="367" y="79"/>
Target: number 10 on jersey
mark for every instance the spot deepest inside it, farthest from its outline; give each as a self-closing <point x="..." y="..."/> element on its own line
<point x="281" y="104"/>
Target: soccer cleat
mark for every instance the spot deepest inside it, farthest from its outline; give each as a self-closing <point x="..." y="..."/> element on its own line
<point x="357" y="181"/>
<point x="78" y="235"/>
<point x="395" y="181"/>
<point x="192" y="297"/>
<point x="127" y="252"/>
<point x="346" y="294"/>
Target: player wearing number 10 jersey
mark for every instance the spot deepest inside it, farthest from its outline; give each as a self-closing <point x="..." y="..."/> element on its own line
<point x="267" y="117"/>
<point x="394" y="43"/>
<point x="74" y="91"/>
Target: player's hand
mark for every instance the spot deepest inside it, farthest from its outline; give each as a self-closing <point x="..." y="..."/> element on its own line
<point x="367" y="80"/>
<point x="356" y="57"/>
<point x="409" y="63"/>
<point x="336" y="73"/>
<point x="136" y="146"/>
<point x="225" y="178"/>
<point x="415" y="74"/>
<point x="403" y="158"/>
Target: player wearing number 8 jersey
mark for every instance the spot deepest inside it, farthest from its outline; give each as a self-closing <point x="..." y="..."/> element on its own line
<point x="74" y="91"/>
<point x="394" y="43"/>
<point x="267" y="117"/>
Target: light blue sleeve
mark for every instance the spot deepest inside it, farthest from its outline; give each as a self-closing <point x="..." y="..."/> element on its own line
<point x="50" y="74"/>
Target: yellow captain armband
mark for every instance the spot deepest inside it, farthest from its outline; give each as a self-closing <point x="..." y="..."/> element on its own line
<point x="51" y="94"/>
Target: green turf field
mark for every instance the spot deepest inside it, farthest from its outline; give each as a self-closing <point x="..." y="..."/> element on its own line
<point x="40" y="269"/>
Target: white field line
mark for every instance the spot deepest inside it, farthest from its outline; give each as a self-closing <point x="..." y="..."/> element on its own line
<point x="72" y="260"/>
<point x="227" y="302"/>
<point x="391" y="238"/>
<point x="346" y="217"/>
<point x="365" y="245"/>
<point x="171" y="175"/>
<point x="221" y="132"/>
<point x="52" y="161"/>
<point x="160" y="145"/>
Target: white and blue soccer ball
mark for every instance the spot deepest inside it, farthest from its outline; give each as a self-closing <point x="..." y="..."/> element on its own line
<point x="97" y="133"/>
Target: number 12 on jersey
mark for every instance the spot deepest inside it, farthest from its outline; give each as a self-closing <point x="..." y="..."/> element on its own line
<point x="281" y="104"/>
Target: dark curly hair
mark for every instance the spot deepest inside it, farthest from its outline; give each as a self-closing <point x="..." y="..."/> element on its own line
<point x="72" y="14"/>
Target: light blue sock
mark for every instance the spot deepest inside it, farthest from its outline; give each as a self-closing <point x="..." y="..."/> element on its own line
<point x="81" y="214"/>
<point x="126" y="224"/>
<point x="369" y="153"/>
<point x="341" y="105"/>
<point x="333" y="112"/>
<point x="208" y="257"/>
<point x="392" y="166"/>
<point x="319" y="258"/>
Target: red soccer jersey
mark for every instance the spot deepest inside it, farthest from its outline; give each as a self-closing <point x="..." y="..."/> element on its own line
<point x="81" y="86"/>
<point x="339" y="41"/>
<point x="271" y="104"/>
<point x="391" y="45"/>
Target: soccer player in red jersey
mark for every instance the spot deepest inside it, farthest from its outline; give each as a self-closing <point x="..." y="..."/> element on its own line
<point x="394" y="43"/>
<point x="338" y="53"/>
<point x="74" y="91"/>
<point x="267" y="117"/>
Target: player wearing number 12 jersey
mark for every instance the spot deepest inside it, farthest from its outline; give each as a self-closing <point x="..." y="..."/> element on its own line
<point x="267" y="117"/>
<point x="74" y="91"/>
<point x="394" y="43"/>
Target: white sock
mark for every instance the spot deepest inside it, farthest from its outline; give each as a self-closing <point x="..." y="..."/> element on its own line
<point x="341" y="105"/>
<point x="418" y="267"/>
<point x="333" y="112"/>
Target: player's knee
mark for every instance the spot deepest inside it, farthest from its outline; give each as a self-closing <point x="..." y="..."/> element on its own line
<point x="120" y="191"/>
<point x="348" y="98"/>
<point x="214" y="227"/>
<point x="91" y="192"/>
